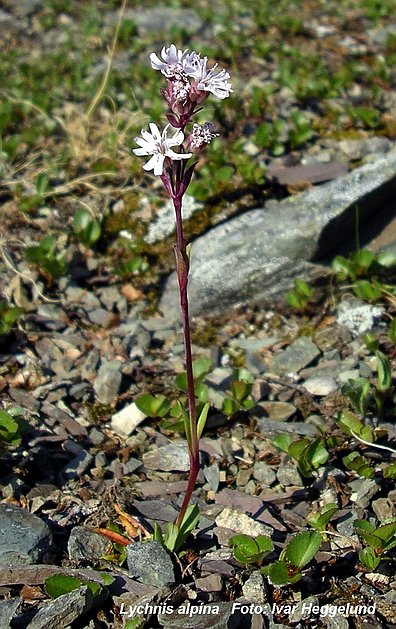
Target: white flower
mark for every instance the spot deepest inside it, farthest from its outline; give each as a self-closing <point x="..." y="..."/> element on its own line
<point x="174" y="61"/>
<point x="211" y="81"/>
<point x="159" y="146"/>
<point x="201" y="135"/>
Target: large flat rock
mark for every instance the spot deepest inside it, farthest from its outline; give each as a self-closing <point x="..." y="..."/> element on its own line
<point x="256" y="255"/>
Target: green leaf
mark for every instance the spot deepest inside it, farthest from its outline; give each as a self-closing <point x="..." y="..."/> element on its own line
<point x="316" y="453"/>
<point x="358" y="392"/>
<point x="61" y="584"/>
<point x="351" y="424"/>
<point x="190" y="520"/>
<point x="303" y="547"/>
<point x="282" y="442"/>
<point x="250" y="550"/>
<point x="153" y="405"/>
<point x="363" y="525"/>
<point x="9" y="315"/>
<point x="170" y="537"/>
<point x="106" y="578"/>
<point x="302" y="287"/>
<point x="229" y="406"/>
<point x="363" y="259"/>
<point x="386" y="259"/>
<point x="371" y="342"/>
<point x="224" y="174"/>
<point x="390" y="471"/>
<point x="41" y="183"/>
<point x="243" y="375"/>
<point x="320" y="520"/>
<point x="175" y="537"/>
<point x="392" y="330"/>
<point x="137" y="622"/>
<point x="297" y="448"/>
<point x="202" y="419"/>
<point x="278" y="573"/>
<point x="157" y="535"/>
<point x="296" y="301"/>
<point x="342" y="267"/>
<point x="86" y="228"/>
<point x="354" y="461"/>
<point x="384" y="372"/>
<point x="240" y="390"/>
<point x="245" y="548"/>
<point x="386" y="533"/>
<point x="201" y="367"/>
<point x="264" y="543"/>
<point x="369" y="559"/>
<point x="370" y="291"/>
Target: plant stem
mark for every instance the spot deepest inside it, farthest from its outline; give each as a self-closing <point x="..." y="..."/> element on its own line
<point x="182" y="268"/>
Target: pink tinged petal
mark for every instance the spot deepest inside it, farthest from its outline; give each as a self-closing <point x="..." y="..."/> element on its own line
<point x="156" y="63"/>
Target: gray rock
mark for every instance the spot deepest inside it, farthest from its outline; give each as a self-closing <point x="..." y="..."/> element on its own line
<point x="212" y="476"/>
<point x="101" y="317"/>
<point x="24" y="538"/>
<point x="254" y="588"/>
<point x="217" y="616"/>
<point x="253" y="256"/>
<point x="240" y="523"/>
<point x="64" y="610"/>
<point x="164" y="223"/>
<point x="301" y="611"/>
<point x="271" y="428"/>
<point x="108" y="381"/>
<point x="172" y="457"/>
<point x="90" y="364"/>
<point x="357" y="316"/>
<point x="78" y="465"/>
<point x="211" y="583"/>
<point x="336" y="622"/>
<point x="299" y="354"/>
<point x="345" y="376"/>
<point x="363" y="490"/>
<point x="109" y="296"/>
<point x="8" y="607"/>
<point x="288" y="473"/>
<point x="5" y="17"/>
<point x="278" y="411"/>
<point x="150" y="563"/>
<point x="157" y="510"/>
<point x="163" y="17"/>
<point x="320" y="385"/>
<point x="127" y="419"/>
<point x="24" y="8"/>
<point x="86" y="545"/>
<point x="345" y="524"/>
<point x="263" y="473"/>
<point x="383" y="509"/>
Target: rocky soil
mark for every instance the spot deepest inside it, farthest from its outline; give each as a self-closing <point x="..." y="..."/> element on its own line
<point x="90" y="342"/>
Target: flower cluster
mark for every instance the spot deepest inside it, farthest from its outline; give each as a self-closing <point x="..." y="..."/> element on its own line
<point x="179" y="67"/>
<point x="189" y="83"/>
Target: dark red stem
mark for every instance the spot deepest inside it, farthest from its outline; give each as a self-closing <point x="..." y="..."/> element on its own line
<point x="182" y="268"/>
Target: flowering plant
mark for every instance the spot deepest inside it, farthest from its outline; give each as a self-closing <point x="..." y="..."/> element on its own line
<point x="189" y="84"/>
